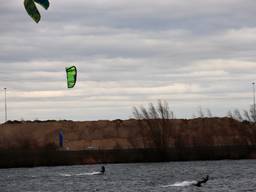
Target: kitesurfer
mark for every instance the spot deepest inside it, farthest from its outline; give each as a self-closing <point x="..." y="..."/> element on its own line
<point x="204" y="180"/>
<point x="102" y="171"/>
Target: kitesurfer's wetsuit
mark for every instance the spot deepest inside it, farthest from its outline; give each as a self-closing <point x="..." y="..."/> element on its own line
<point x="204" y="180"/>
<point x="102" y="170"/>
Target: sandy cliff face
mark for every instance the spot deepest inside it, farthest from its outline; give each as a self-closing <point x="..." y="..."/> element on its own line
<point x="214" y="132"/>
<point x="125" y="134"/>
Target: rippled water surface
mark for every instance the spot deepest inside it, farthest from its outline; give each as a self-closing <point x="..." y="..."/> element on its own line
<point x="156" y="177"/>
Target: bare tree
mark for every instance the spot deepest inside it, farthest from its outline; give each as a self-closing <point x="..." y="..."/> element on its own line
<point x="229" y="114"/>
<point x="247" y="116"/>
<point x="252" y="113"/>
<point x="237" y="115"/>
<point x="209" y="113"/>
<point x="136" y="113"/>
<point x="200" y="112"/>
<point x="157" y="119"/>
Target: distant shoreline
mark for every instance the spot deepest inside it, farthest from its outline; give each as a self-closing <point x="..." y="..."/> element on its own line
<point x="124" y="141"/>
<point x="34" y="158"/>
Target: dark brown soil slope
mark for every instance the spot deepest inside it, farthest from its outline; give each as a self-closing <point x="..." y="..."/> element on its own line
<point x="125" y="134"/>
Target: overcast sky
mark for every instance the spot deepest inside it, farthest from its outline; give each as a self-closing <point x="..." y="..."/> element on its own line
<point x="128" y="53"/>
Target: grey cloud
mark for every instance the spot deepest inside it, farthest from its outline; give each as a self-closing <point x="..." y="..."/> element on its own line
<point x="127" y="53"/>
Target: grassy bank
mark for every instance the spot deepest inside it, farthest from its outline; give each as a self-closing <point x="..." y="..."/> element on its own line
<point x="36" y="143"/>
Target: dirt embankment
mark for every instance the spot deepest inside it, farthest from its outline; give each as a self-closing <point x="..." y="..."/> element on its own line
<point x="125" y="134"/>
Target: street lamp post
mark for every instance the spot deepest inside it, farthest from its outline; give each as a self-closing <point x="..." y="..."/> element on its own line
<point x="253" y="88"/>
<point x="5" y="104"/>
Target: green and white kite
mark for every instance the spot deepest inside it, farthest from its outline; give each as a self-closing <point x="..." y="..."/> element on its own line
<point x="30" y="6"/>
<point x="71" y="76"/>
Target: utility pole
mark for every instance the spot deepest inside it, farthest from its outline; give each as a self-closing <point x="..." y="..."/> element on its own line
<point x="5" y="104"/>
<point x="253" y="89"/>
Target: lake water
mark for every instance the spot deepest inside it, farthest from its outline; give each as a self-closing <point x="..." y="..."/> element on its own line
<point x="224" y="175"/>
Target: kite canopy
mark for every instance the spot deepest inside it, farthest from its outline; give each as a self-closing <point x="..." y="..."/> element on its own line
<point x="32" y="10"/>
<point x="71" y="76"/>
